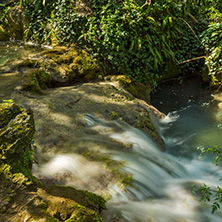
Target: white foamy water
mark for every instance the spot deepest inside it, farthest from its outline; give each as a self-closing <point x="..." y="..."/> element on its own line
<point x="70" y="170"/>
<point x="162" y="187"/>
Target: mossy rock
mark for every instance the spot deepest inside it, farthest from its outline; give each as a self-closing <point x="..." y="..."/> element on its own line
<point x="144" y="122"/>
<point x="82" y="197"/>
<point x="84" y="215"/>
<point x="7" y="112"/>
<point x="35" y="80"/>
<point x="21" y="195"/>
<point x="137" y="89"/>
<point x="140" y="90"/>
<point x="69" y="204"/>
<point x="60" y="66"/>
<point x="16" y="133"/>
<point x="66" y="65"/>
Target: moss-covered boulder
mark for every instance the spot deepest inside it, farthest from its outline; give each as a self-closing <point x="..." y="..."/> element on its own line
<point x="22" y="196"/>
<point x="65" y="65"/>
<point x="16" y="134"/>
<point x="60" y="66"/>
<point x="137" y="89"/>
<point x="35" y="80"/>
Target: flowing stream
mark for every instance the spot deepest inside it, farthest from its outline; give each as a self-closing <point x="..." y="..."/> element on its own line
<point x="163" y="182"/>
<point x="162" y="185"/>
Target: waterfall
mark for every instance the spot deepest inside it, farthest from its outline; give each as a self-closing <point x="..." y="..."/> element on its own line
<point x="162" y="183"/>
<point x="162" y="186"/>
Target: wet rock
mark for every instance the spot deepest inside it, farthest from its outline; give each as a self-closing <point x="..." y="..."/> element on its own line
<point x="61" y="129"/>
<point x="23" y="197"/>
<point x="17" y="130"/>
<point x="65" y="65"/>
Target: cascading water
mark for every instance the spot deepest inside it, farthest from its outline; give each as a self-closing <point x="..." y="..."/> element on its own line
<point x="162" y="183"/>
<point x="162" y="186"/>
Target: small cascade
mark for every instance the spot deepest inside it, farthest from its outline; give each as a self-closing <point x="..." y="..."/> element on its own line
<point x="162" y="186"/>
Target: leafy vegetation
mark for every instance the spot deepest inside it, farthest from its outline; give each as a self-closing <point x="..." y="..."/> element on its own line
<point x="208" y="193"/>
<point x="144" y="40"/>
<point x="212" y="40"/>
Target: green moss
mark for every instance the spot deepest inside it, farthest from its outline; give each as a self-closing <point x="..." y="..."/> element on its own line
<point x="125" y="80"/>
<point x="79" y="60"/>
<point x="120" y="97"/>
<point x="8" y="111"/>
<point x="81" y="214"/>
<point x="155" y="136"/>
<point x="132" y="90"/>
<point x="113" y="165"/>
<point x="9" y="176"/>
<point x="42" y="204"/>
<point x="145" y="122"/>
<point x="114" y="115"/>
<point x="127" y="180"/>
<point x="82" y="197"/>
<point x="84" y="66"/>
<point x="16" y="134"/>
<point x="95" y="200"/>
<point x="36" y="80"/>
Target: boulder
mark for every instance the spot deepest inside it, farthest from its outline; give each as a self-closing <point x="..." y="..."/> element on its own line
<point x="22" y="196"/>
<point x="60" y="66"/>
<point x="65" y="65"/>
<point x="16" y="134"/>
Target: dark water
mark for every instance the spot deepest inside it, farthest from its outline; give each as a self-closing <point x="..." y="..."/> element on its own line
<point x="193" y="117"/>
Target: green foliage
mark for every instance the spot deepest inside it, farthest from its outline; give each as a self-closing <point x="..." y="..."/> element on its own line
<point x="207" y="193"/>
<point x="138" y="40"/>
<point x="127" y="38"/>
<point x="68" y="21"/>
<point x="38" y="16"/>
<point x="212" y="39"/>
<point x="144" y="41"/>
